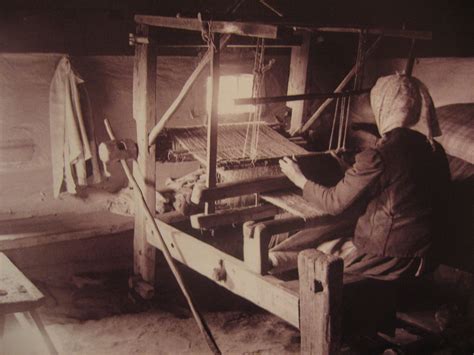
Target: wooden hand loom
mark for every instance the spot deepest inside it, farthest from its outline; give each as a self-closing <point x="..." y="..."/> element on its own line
<point x="312" y="304"/>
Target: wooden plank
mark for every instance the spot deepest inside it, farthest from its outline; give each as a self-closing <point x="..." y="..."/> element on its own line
<point x="144" y="109"/>
<point x="184" y="92"/>
<point x="20" y="293"/>
<point x="294" y="203"/>
<point x="238" y="188"/>
<point x="41" y="230"/>
<point x="339" y="88"/>
<point x="234" y="216"/>
<point x="275" y="226"/>
<point x="267" y="292"/>
<point x="297" y="82"/>
<point x="212" y="122"/>
<point x="424" y="319"/>
<point x="320" y="280"/>
<point x="228" y="27"/>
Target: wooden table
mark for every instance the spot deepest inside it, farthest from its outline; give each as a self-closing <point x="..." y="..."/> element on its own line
<point x="18" y="294"/>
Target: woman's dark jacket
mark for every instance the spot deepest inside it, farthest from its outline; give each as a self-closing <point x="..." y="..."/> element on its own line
<point x="404" y="181"/>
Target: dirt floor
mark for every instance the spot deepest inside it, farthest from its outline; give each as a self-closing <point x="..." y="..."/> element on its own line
<point x="95" y="314"/>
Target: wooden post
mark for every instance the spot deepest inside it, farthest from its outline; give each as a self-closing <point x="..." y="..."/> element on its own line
<point x="320" y="277"/>
<point x="256" y="245"/>
<point x="339" y="88"/>
<point x="410" y="59"/>
<point x="212" y="122"/>
<point x="297" y="81"/>
<point x="144" y="113"/>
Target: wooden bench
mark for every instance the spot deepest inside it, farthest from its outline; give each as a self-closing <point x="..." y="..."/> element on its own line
<point x="35" y="231"/>
<point x="18" y="294"/>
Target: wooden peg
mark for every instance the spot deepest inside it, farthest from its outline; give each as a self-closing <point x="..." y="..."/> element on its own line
<point x="115" y="150"/>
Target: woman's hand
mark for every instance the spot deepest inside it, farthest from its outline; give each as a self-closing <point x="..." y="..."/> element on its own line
<point x="291" y="169"/>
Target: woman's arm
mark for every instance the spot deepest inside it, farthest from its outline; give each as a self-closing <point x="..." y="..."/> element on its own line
<point x="333" y="200"/>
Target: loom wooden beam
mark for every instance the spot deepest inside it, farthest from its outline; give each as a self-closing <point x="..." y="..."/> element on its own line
<point x="203" y="194"/>
<point x="184" y="92"/>
<point x="212" y="123"/>
<point x="264" y="291"/>
<point x="320" y="282"/>
<point x="172" y="217"/>
<point x="144" y="113"/>
<point x="412" y="34"/>
<point x="274" y="226"/>
<point x="297" y="82"/>
<point x="226" y="27"/>
<point x="339" y="88"/>
<point x="234" y="216"/>
<point x="287" y="98"/>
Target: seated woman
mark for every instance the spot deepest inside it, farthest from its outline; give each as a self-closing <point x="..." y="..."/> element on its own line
<point x="401" y="180"/>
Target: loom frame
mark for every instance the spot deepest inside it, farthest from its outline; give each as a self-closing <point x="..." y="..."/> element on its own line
<point x="313" y="304"/>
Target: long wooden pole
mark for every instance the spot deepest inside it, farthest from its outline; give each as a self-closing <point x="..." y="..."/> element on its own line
<point x="184" y="92"/>
<point x="339" y="88"/>
<point x="144" y="113"/>
<point x="286" y="98"/>
<point x="169" y="259"/>
<point x="212" y="122"/>
<point x="189" y="83"/>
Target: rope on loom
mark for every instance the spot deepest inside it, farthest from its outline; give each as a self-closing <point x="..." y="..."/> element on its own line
<point x="253" y="122"/>
<point x="206" y="32"/>
<point x="344" y="103"/>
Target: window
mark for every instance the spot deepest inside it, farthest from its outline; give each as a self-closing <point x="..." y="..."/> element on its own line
<point x="232" y="87"/>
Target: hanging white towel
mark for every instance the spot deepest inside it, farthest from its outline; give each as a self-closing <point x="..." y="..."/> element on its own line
<point x="70" y="145"/>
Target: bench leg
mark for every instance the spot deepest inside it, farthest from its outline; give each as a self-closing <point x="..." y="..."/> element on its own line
<point x="44" y="333"/>
<point x="320" y="277"/>
<point x="2" y="325"/>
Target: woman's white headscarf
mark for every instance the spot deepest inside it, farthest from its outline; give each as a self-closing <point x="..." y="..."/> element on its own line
<point x="404" y="101"/>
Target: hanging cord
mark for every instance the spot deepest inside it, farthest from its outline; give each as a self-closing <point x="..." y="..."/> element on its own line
<point x="358" y="79"/>
<point x="254" y="82"/>
<point x="333" y="129"/>
<point x="206" y="32"/>
<point x="253" y="122"/>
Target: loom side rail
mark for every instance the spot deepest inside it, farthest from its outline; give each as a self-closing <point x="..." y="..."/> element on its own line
<point x="266" y="291"/>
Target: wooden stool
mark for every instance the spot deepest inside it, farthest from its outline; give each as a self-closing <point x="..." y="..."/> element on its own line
<point x="18" y="294"/>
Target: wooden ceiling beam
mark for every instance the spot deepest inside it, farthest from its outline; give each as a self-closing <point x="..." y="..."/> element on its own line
<point x="227" y="27"/>
<point x="412" y="34"/>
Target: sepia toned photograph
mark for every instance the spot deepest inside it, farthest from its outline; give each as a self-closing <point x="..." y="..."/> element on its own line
<point x="236" y="177"/>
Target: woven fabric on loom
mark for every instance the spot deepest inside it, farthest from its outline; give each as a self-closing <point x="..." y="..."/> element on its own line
<point x="231" y="141"/>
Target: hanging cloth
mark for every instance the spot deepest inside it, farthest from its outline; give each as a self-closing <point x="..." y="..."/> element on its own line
<point x="70" y="145"/>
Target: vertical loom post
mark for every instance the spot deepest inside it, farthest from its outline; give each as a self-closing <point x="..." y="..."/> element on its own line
<point x="297" y="82"/>
<point x="410" y="59"/>
<point x="144" y="113"/>
<point x="339" y="88"/>
<point x="212" y="122"/>
<point x="320" y="277"/>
